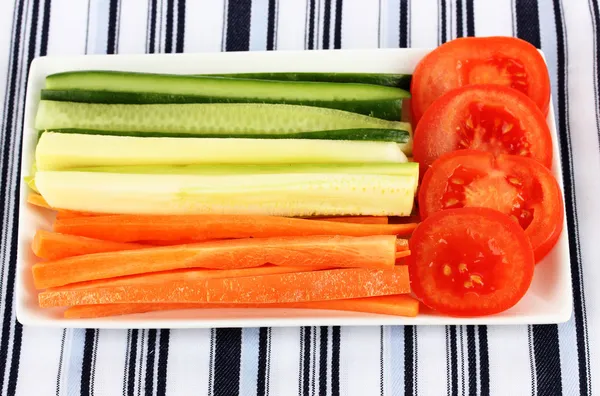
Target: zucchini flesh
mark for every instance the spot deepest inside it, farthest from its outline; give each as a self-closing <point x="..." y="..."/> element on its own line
<point x="377" y="168"/>
<point x="201" y="119"/>
<point x="283" y="194"/>
<point x="385" y="79"/>
<point x="56" y="151"/>
<point x="387" y="109"/>
<point x="219" y="86"/>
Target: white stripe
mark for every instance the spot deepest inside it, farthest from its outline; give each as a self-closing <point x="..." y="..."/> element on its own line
<point x="188" y="363"/>
<point x="510" y="373"/>
<point x="424" y="24"/>
<point x="258" y="25"/>
<point x="493" y="18"/>
<point x="359" y="361"/>
<point x="359" y="28"/>
<point x="35" y="366"/>
<point x="396" y="365"/>
<point x="203" y="25"/>
<point x="249" y="361"/>
<point x="6" y="22"/>
<point x="390" y="23"/>
<point x="72" y="373"/>
<point x="110" y="358"/>
<point x="431" y="360"/>
<point x="285" y="351"/>
<point x="132" y="29"/>
<point x="586" y="164"/>
<point x="290" y="32"/>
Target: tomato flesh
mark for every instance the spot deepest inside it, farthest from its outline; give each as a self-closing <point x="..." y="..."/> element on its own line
<point x="470" y="262"/>
<point x="519" y="187"/>
<point x="485" y="117"/>
<point x="505" y="61"/>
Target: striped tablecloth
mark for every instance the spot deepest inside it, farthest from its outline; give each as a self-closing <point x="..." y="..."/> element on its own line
<point x="462" y="360"/>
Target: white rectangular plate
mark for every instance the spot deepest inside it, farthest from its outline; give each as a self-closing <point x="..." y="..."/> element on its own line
<point x="549" y="299"/>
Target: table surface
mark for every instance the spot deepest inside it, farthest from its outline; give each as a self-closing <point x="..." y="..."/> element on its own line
<point x="435" y="360"/>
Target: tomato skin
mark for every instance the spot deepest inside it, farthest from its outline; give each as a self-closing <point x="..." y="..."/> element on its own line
<point x="507" y="61"/>
<point x="534" y="190"/>
<point x="470" y="262"/>
<point x="448" y="125"/>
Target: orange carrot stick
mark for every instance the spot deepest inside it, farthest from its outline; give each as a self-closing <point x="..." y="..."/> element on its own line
<point x="401" y="244"/>
<point x="355" y="219"/>
<point x="135" y="228"/>
<point x="37" y="200"/>
<point x="53" y="246"/>
<point x="194" y="274"/>
<point x="399" y="305"/>
<point x="323" y="285"/>
<point x="324" y="251"/>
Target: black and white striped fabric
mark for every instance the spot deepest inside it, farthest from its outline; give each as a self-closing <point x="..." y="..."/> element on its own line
<point x="461" y="360"/>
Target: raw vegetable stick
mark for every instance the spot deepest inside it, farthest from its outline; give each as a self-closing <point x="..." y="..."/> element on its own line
<point x="327" y="251"/>
<point x="39" y="201"/>
<point x="402" y="254"/>
<point x="53" y="245"/>
<point x="323" y="285"/>
<point x="184" y="274"/>
<point x="400" y="305"/>
<point x="132" y="228"/>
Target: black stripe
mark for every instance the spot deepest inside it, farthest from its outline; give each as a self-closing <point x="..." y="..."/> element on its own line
<point x="484" y="360"/>
<point x="132" y="353"/>
<point x="111" y="39"/>
<point x="306" y="360"/>
<point x="86" y="365"/>
<point x="337" y="29"/>
<point x="150" y="359"/>
<point x="472" y="356"/>
<point x="152" y="27"/>
<point x="547" y="360"/>
<point x="261" y="379"/>
<point x="443" y="32"/>
<point x="454" y="362"/>
<point x="180" y="40"/>
<point x="531" y="359"/>
<point x="409" y="358"/>
<point x="335" y="360"/>
<point x="163" y="361"/>
<point x="416" y="358"/>
<point x="238" y="25"/>
<point x="470" y="19"/>
<point x="169" y="28"/>
<point x="311" y="25"/>
<point x="403" y="28"/>
<point x="228" y="352"/>
<point x="459" y="19"/>
<point x="570" y="201"/>
<point x="528" y="21"/>
<point x="60" y="361"/>
<point x="381" y="368"/>
<point x="326" y="24"/>
<point x="271" y="26"/>
<point x="45" y="28"/>
<point x="323" y="361"/>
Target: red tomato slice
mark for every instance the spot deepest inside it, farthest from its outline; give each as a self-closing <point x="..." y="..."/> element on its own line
<point x="483" y="117"/>
<point x="506" y="61"/>
<point x="517" y="186"/>
<point x="470" y="262"/>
